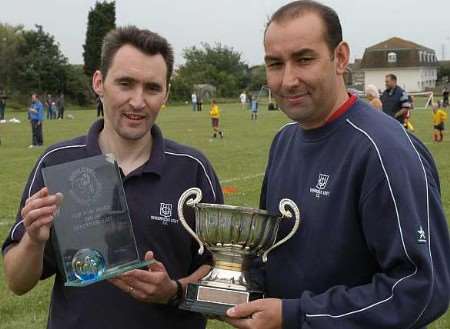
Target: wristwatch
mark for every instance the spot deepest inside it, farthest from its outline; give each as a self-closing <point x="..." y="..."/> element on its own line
<point x="176" y="299"/>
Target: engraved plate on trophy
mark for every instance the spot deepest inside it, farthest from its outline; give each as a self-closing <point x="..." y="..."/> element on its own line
<point x="92" y="231"/>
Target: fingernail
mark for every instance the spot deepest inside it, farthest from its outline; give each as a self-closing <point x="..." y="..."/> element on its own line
<point x="230" y="311"/>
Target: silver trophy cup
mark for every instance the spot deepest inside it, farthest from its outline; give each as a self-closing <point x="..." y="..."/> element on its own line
<point x="235" y="236"/>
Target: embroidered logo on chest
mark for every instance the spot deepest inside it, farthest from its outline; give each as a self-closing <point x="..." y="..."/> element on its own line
<point x="165" y="210"/>
<point x="165" y="214"/>
<point x="320" y="188"/>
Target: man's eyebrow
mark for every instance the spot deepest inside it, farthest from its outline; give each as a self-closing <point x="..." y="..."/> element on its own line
<point x="153" y="84"/>
<point x="124" y="78"/>
<point x="269" y="58"/>
<point x="299" y="53"/>
<point x="303" y="52"/>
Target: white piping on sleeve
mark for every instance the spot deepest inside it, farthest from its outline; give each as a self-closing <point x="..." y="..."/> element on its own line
<point x="201" y="164"/>
<point x="428" y="216"/>
<point x="34" y="177"/>
<point x="400" y="232"/>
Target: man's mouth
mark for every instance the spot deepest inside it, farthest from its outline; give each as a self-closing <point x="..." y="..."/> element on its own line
<point x="295" y="97"/>
<point x="134" y="116"/>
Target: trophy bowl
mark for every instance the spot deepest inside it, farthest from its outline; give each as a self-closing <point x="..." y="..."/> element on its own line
<point x="235" y="236"/>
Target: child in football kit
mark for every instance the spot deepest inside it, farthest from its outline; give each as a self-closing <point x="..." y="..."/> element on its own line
<point x="214" y="113"/>
<point x="439" y="117"/>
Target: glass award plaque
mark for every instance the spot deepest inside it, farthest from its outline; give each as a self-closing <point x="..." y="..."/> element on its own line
<point x="92" y="228"/>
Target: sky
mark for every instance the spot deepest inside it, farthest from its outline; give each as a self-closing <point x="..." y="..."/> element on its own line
<point x="236" y="23"/>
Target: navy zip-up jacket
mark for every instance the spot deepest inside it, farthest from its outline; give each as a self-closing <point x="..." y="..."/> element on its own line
<point x="373" y="247"/>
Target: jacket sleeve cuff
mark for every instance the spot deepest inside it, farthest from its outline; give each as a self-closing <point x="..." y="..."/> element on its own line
<point x="291" y="314"/>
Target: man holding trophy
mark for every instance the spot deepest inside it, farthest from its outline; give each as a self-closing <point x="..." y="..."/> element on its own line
<point x="132" y="82"/>
<point x="373" y="250"/>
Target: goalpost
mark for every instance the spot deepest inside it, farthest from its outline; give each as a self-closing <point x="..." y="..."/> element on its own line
<point x="265" y="94"/>
<point x="265" y="89"/>
<point x="429" y="97"/>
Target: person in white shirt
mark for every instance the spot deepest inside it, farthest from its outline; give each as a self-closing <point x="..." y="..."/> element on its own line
<point x="243" y="98"/>
<point x="194" y="101"/>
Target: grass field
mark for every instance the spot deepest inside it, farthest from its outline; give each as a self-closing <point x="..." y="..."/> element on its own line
<point x="239" y="160"/>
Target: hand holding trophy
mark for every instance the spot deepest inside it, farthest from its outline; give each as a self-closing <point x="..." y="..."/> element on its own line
<point x="234" y="235"/>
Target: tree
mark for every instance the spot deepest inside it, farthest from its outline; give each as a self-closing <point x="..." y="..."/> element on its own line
<point x="77" y="84"/>
<point x="40" y="63"/>
<point x="10" y="38"/>
<point x="101" y="19"/>
<point x="219" y="66"/>
<point x="443" y="71"/>
<point x="257" y="77"/>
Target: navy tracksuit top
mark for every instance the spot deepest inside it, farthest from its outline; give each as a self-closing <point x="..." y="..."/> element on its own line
<point x="373" y="247"/>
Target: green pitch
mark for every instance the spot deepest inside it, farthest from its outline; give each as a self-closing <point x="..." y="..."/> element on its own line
<point x="239" y="160"/>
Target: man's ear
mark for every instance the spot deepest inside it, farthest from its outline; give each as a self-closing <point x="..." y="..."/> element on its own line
<point x="97" y="83"/>
<point x="342" y="57"/>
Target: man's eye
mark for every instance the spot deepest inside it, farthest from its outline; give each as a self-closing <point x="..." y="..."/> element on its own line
<point x="124" y="83"/>
<point x="304" y="60"/>
<point x="154" y="88"/>
<point x="274" y="65"/>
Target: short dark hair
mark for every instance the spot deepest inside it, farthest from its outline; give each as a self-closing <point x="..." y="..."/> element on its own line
<point x="146" y="41"/>
<point x="333" y="29"/>
<point x="391" y="76"/>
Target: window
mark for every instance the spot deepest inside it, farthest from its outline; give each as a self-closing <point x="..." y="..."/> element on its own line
<point x="392" y="57"/>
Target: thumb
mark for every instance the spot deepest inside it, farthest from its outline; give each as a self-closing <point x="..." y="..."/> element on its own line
<point x="242" y="310"/>
<point x="149" y="256"/>
<point x="154" y="264"/>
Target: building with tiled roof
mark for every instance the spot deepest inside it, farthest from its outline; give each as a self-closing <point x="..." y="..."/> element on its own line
<point x="414" y="65"/>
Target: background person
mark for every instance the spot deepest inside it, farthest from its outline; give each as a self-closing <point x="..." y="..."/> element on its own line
<point x="439" y="118"/>
<point x="407" y="116"/>
<point x="2" y="108"/>
<point x="214" y="113"/>
<point x="60" y="106"/>
<point x="395" y="99"/>
<point x="199" y="103"/>
<point x="445" y="97"/>
<point x="194" y="102"/>
<point x="254" y="108"/>
<point x="373" y="97"/>
<point x="36" y="116"/>
<point x="243" y="99"/>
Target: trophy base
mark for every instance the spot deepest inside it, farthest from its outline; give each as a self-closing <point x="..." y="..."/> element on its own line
<point x="108" y="274"/>
<point x="215" y="301"/>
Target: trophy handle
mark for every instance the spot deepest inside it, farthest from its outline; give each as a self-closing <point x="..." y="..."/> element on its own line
<point x="285" y="213"/>
<point x="188" y="194"/>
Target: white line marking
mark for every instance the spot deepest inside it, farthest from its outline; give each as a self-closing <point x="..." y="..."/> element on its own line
<point x="234" y="179"/>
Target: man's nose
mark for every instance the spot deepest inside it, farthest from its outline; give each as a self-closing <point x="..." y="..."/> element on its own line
<point x="137" y="100"/>
<point x="290" y="76"/>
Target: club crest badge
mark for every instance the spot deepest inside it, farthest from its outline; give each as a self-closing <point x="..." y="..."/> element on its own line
<point x="321" y="185"/>
<point x="322" y="181"/>
<point x="165" y="210"/>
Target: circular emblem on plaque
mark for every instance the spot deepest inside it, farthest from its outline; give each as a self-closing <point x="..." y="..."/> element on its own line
<point x="85" y="187"/>
<point x="88" y="264"/>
